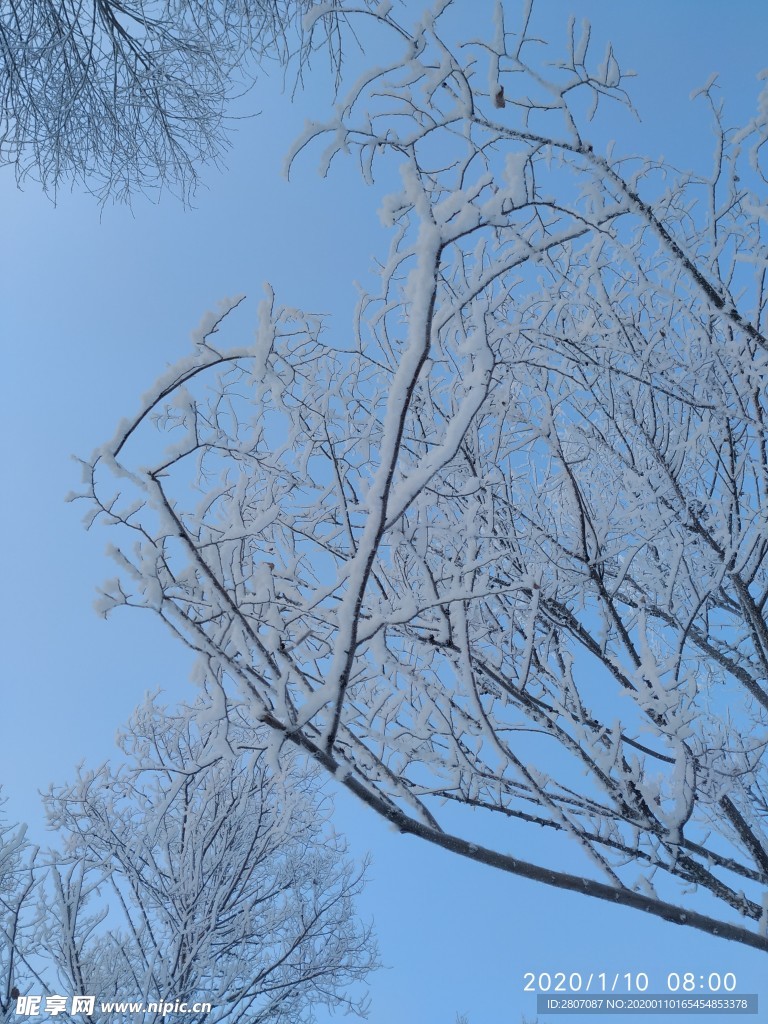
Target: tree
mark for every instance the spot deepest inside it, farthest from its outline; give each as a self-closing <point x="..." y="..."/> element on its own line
<point x="18" y="891"/>
<point x="202" y="870"/>
<point x="132" y="96"/>
<point x="505" y="551"/>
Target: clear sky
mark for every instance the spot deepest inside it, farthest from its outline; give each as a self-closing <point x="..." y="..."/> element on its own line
<point x="96" y="303"/>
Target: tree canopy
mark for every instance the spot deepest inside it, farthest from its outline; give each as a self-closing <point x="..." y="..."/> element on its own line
<point x="127" y="97"/>
<point x="505" y="551"/>
<point x="195" y="872"/>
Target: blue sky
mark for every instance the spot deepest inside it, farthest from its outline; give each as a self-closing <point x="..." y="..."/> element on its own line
<point x="97" y="303"/>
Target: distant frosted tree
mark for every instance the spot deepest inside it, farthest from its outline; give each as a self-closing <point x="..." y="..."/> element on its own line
<point x="18" y="891"/>
<point x="506" y="547"/>
<point x="132" y="96"/>
<point x="198" y="871"/>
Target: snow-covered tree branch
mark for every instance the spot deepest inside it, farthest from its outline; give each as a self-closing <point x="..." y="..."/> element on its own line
<point x="204" y="870"/>
<point x="19" y="881"/>
<point x="504" y="551"/>
<point x="132" y="96"/>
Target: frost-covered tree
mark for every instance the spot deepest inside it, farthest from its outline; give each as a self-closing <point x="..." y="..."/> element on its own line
<point x="18" y="890"/>
<point x="499" y="559"/>
<point x="203" y="870"/>
<point x="132" y="96"/>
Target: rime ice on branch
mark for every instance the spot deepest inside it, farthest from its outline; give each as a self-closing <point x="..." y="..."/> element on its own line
<point x="129" y="96"/>
<point x="200" y="872"/>
<point x="505" y="550"/>
<point x="19" y="884"/>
